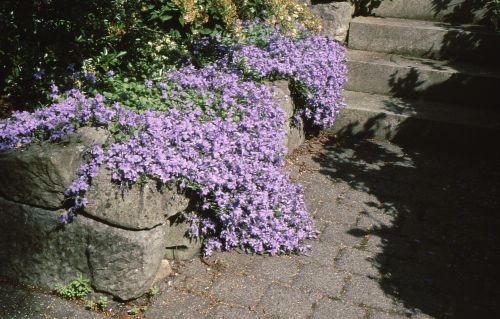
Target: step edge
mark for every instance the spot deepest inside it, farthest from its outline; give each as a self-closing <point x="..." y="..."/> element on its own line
<point x="431" y="112"/>
<point x="384" y="58"/>
<point x="426" y="24"/>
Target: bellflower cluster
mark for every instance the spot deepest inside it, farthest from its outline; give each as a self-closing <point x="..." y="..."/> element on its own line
<point x="314" y="62"/>
<point x="229" y="144"/>
<point x="212" y="131"/>
<point x="93" y="158"/>
<point x="49" y="123"/>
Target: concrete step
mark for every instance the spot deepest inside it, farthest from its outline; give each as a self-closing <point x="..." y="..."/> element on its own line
<point x="419" y="78"/>
<point x="437" y="40"/>
<point x="416" y="122"/>
<point x="458" y="11"/>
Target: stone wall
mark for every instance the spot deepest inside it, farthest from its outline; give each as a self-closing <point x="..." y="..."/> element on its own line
<point x="335" y="17"/>
<point x="119" y="241"/>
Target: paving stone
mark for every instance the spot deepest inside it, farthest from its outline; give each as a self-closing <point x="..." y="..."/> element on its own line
<point x="367" y="291"/>
<point x="361" y="262"/>
<point x="339" y="234"/>
<point x="10" y="298"/>
<point x="276" y="268"/>
<point x="372" y="220"/>
<point x="194" y="276"/>
<point x="228" y="312"/>
<point x="324" y="280"/>
<point x="385" y="315"/>
<point x="317" y="190"/>
<point x="421" y="276"/>
<point x="41" y="306"/>
<point x="415" y="301"/>
<point x="177" y="304"/>
<point x="233" y="261"/>
<point x="240" y="289"/>
<point x="332" y="211"/>
<point x="322" y="253"/>
<point x="285" y="302"/>
<point x="328" y="309"/>
<point x="391" y="246"/>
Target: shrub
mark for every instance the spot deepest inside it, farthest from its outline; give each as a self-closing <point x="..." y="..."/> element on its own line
<point x="46" y="41"/>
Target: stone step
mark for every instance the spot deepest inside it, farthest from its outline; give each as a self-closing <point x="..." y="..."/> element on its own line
<point x="437" y="40"/>
<point x="390" y="74"/>
<point x="458" y="11"/>
<point x="416" y="122"/>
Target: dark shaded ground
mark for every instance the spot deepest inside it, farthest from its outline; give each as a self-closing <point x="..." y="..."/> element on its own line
<point x="404" y="233"/>
<point x="441" y="249"/>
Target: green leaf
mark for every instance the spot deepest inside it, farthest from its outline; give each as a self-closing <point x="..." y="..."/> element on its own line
<point x="165" y="18"/>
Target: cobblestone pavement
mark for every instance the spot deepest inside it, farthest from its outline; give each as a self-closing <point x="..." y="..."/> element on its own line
<point x="404" y="233"/>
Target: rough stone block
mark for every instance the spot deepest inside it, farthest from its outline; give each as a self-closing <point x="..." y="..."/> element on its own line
<point x="179" y="245"/>
<point x="123" y="262"/>
<point x="335" y="18"/>
<point x="38" y="175"/>
<point x="140" y="207"/>
<point x="295" y="135"/>
<point x="428" y="39"/>
<point x="461" y="11"/>
<point x="36" y="250"/>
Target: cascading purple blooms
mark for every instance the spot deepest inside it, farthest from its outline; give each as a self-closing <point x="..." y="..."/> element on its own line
<point x="221" y="135"/>
<point x="314" y="62"/>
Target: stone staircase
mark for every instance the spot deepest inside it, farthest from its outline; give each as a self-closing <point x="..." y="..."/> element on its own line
<point x="416" y="75"/>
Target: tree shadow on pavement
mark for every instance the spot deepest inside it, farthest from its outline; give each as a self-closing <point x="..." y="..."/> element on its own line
<point x="442" y="246"/>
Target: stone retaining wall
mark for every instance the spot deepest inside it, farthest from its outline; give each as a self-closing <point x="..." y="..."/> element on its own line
<point x="119" y="241"/>
<point x="335" y="17"/>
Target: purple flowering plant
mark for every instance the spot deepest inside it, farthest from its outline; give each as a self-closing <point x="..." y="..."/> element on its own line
<point x="213" y="129"/>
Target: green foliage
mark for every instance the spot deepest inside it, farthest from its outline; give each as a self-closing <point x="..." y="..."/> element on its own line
<point x="137" y="310"/>
<point x="47" y="41"/>
<point x="90" y="305"/>
<point x="102" y="303"/>
<point x="131" y="92"/>
<point x="78" y="288"/>
<point x="153" y="291"/>
<point x="494" y="13"/>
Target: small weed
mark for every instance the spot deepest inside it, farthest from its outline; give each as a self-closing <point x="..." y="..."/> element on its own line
<point x="78" y="288"/>
<point x="153" y="291"/>
<point x="136" y="310"/>
<point x="90" y="305"/>
<point x="102" y="303"/>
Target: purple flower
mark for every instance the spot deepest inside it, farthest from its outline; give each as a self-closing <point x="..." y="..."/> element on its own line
<point x="54" y="91"/>
<point x="38" y="75"/>
<point x="91" y="77"/>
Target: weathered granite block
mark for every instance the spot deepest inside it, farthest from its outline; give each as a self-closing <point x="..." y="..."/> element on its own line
<point x="295" y="135"/>
<point x="140" y="207"/>
<point x="335" y="18"/>
<point x="123" y="262"/>
<point x="38" y="175"/>
<point x="179" y="245"/>
<point x="36" y="250"/>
